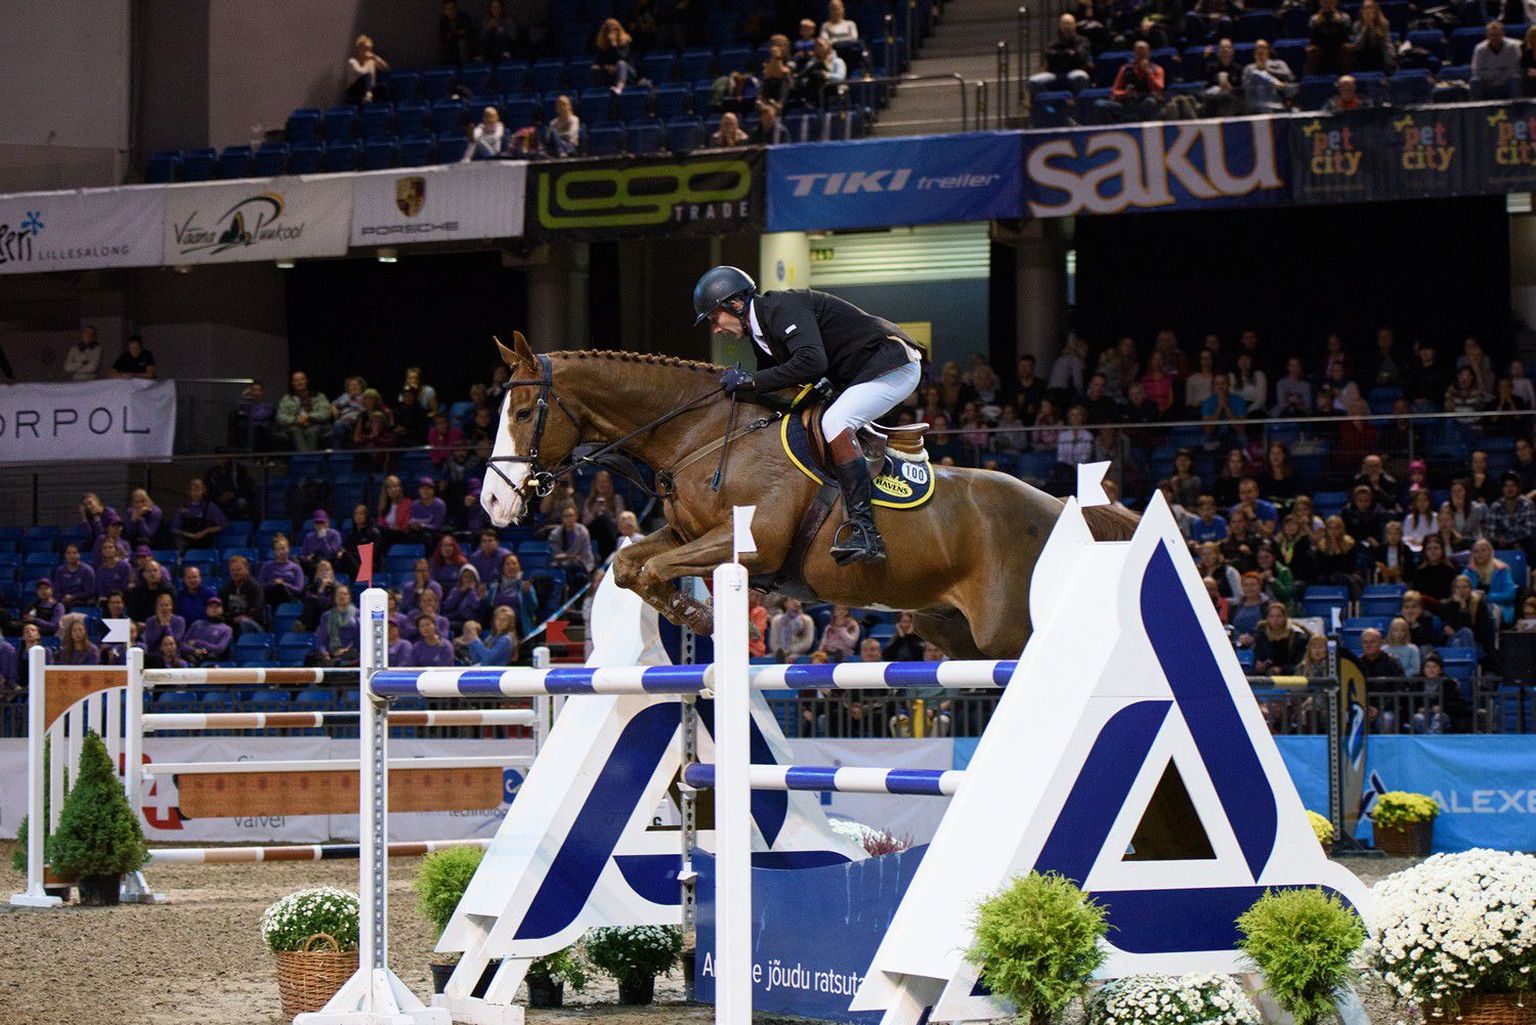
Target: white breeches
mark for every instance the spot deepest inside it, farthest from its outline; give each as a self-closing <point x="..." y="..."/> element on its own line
<point x="859" y="404"/>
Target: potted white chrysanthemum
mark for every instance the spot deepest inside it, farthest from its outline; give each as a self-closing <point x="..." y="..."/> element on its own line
<point x="1456" y="935"/>
<point x="314" y="934"/>
<point x="1171" y="1000"/>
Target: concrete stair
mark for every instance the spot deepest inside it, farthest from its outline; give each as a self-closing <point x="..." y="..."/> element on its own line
<point x="964" y="41"/>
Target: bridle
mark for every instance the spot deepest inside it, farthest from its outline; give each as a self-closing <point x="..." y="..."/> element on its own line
<point x="541" y="481"/>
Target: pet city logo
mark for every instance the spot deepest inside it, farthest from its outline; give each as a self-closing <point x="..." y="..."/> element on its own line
<point x="1514" y="139"/>
<point x="645" y="195"/>
<point x="250" y="222"/>
<point x="1334" y="153"/>
<point x="1426" y="148"/>
<point x="16" y="244"/>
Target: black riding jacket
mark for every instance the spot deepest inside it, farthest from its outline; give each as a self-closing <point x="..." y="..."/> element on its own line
<point x="810" y="335"/>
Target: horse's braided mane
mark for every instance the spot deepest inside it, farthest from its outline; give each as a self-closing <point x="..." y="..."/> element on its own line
<point x="654" y="359"/>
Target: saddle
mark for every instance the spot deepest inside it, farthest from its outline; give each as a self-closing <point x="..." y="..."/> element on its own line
<point x="904" y="441"/>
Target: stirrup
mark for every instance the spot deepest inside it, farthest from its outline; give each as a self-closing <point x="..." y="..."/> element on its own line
<point x="864" y="544"/>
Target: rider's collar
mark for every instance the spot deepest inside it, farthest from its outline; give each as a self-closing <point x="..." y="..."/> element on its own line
<point x="754" y="329"/>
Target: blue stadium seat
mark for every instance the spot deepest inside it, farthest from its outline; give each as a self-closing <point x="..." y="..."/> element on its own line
<point x="1292" y="51"/>
<point x="604" y="140"/>
<point x="703" y="95"/>
<point x="416" y="150"/>
<point x="547" y="76"/>
<point x="519" y="111"/>
<point x="306" y="158"/>
<point x="644" y="137"/>
<point x="733" y="58"/>
<point x="448" y="116"/>
<point x="1253" y="26"/>
<point x="1463" y="42"/>
<point x="1315" y="91"/>
<point x="803" y="127"/>
<point x="684" y="134"/>
<point x="1107" y="65"/>
<point x="1372" y="85"/>
<point x="342" y="156"/>
<point x="511" y="78"/>
<point x="339" y="123"/>
<point x="476" y="77"/>
<point x="436" y="84"/>
<point x="1430" y="40"/>
<point x="411" y="118"/>
<point x="198" y="165"/>
<point x="595" y="106"/>
<point x="633" y="104"/>
<point x="376" y="121"/>
<point x="451" y="146"/>
<point x="659" y="67"/>
<point x="304" y="125"/>
<point x="163" y="167"/>
<point x="404" y="86"/>
<point x="235" y="162"/>
<point x="695" y="64"/>
<point x="271" y="160"/>
<point x="672" y="100"/>
<point x="380" y="154"/>
<point x="1054" y="109"/>
<point x="1412" y="86"/>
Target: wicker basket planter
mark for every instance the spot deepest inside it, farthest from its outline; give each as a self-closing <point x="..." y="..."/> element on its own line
<point x="1497" y="1009"/>
<point x="307" y="978"/>
<point x="1411" y="841"/>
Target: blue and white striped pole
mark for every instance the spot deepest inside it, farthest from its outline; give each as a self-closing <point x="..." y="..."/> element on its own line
<point x="838" y="779"/>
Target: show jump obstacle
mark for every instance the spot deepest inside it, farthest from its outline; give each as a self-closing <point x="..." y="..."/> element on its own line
<point x="64" y="702"/>
<point x="1128" y="682"/>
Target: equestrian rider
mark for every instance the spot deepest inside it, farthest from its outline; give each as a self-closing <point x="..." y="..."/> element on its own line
<point x="801" y="336"/>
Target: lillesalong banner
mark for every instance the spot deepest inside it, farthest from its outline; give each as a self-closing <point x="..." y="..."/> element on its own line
<point x="97" y="420"/>
<point x="80" y="230"/>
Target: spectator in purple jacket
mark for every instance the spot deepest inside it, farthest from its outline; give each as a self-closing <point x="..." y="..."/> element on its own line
<point x="164" y="621"/>
<point x="74" y="580"/>
<point x="192" y="596"/>
<point x="208" y="639"/>
<point x="199" y="522"/>
<point x="431" y="606"/>
<point x="145" y="519"/>
<point x="113" y="573"/>
<point x="421" y="582"/>
<point x="31" y="637"/>
<point x="321" y="542"/>
<point x="143" y="555"/>
<point x="487" y="557"/>
<point x="463" y="602"/>
<point x="337" y="636"/>
<point x="446" y="561"/>
<point x="113" y="537"/>
<point x="165" y="656"/>
<point x="430" y="649"/>
<point x="280" y="577"/>
<point x="93" y="513"/>
<point x="77" y="649"/>
<point x="399" y="649"/>
<point x="428" y="511"/>
<point x="8" y="684"/>
<point x="44" y="613"/>
<point x="401" y="621"/>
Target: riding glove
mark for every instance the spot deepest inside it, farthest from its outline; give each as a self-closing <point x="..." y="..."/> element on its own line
<point x="736" y="380"/>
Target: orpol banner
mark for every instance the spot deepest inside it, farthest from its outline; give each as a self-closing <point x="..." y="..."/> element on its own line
<point x="276" y="219"/>
<point x="82" y="230"/>
<point x="888" y="182"/>
<point x="98" y="420"/>
<point x="483" y="199"/>
<point x="1179" y="165"/>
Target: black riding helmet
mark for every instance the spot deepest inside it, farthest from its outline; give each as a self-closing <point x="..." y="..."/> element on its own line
<point x="721" y="285"/>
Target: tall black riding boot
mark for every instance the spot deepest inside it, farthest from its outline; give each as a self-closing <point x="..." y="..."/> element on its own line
<point x="857" y="540"/>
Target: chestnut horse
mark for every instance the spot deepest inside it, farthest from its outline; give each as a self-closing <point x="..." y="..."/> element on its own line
<point x="962" y="561"/>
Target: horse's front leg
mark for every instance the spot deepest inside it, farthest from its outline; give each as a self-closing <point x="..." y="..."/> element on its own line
<point x="697" y="558"/>
<point x="629" y="565"/>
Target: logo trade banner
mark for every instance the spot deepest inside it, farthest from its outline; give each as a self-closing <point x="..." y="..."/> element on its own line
<point x="81" y="230"/>
<point x="874" y="183"/>
<point x="483" y="199"/>
<point x="1183" y="165"/>
<point x="276" y="219"/>
<point x="714" y="194"/>
<point x="109" y="419"/>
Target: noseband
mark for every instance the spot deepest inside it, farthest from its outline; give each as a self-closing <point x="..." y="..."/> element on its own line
<point x="540" y="481"/>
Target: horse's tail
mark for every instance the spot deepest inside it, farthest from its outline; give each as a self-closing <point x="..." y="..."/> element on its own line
<point x="1110" y="523"/>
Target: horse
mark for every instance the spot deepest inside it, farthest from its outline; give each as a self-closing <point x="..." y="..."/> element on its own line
<point x="962" y="562"/>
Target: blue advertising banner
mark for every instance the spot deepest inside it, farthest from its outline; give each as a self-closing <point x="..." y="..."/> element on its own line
<point x="874" y="183"/>
<point x="1178" y="165"/>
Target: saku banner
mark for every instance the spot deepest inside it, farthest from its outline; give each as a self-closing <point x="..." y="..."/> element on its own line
<point x="1174" y="165"/>
<point x="887" y="182"/>
<point x="715" y="193"/>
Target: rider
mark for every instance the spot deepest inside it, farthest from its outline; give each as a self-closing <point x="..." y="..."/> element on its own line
<point x="801" y="336"/>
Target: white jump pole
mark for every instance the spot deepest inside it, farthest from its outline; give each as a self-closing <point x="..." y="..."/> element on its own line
<point x="733" y="800"/>
<point x="37" y="822"/>
<point x="375" y="995"/>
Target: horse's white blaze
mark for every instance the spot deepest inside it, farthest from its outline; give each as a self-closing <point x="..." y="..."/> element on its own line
<point x="501" y="502"/>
